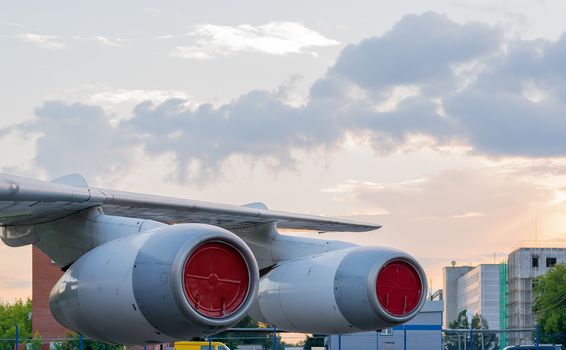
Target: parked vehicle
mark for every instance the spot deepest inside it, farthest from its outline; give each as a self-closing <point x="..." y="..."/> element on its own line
<point x="200" y="345"/>
<point x="534" y="347"/>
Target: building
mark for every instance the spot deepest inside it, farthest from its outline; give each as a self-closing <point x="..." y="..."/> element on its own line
<point x="45" y="274"/>
<point x="479" y="290"/>
<point x="450" y="289"/>
<point x="524" y="265"/>
<point x="475" y="289"/>
<point x="422" y="332"/>
<point x="502" y="293"/>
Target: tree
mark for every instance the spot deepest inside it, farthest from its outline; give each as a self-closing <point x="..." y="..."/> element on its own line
<point x="72" y="341"/>
<point x="12" y="314"/>
<point x="233" y="339"/>
<point x="549" y="304"/>
<point x="489" y="340"/>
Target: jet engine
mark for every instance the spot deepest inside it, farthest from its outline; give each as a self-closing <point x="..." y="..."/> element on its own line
<point x="351" y="290"/>
<point x="173" y="282"/>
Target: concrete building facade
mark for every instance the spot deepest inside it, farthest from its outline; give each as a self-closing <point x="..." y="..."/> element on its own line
<point x="424" y="332"/>
<point x="451" y="275"/>
<point x="481" y="289"/>
<point x="476" y="289"/>
<point x="478" y="292"/>
<point x="524" y="265"/>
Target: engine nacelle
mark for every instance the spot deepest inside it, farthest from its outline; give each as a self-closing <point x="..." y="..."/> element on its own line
<point x="352" y="290"/>
<point x="173" y="282"/>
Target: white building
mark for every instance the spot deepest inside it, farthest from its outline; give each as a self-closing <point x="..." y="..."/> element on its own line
<point x="450" y="290"/>
<point x="478" y="292"/>
<point x="476" y="289"/>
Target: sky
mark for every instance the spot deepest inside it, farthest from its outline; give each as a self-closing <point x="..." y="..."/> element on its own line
<point x="444" y="121"/>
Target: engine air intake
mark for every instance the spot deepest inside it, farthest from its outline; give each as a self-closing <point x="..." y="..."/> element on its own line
<point x="399" y="288"/>
<point x="216" y="279"/>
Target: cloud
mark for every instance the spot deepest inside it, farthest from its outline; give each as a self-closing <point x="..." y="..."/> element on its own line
<point x="190" y="52"/>
<point x="428" y="78"/>
<point x="44" y="41"/>
<point x="257" y="125"/>
<point x="60" y="42"/>
<point x="12" y="24"/>
<point x="104" y="41"/>
<point x="500" y="115"/>
<point x="164" y="37"/>
<point x="471" y="207"/>
<point x="275" y="38"/>
<point x="97" y="147"/>
<point x="116" y="102"/>
<point x="109" y="96"/>
<point x="463" y="214"/>
<point x="419" y="50"/>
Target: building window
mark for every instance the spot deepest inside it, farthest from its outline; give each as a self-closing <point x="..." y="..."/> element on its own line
<point x="550" y="262"/>
<point x="535" y="261"/>
<point x="387" y="331"/>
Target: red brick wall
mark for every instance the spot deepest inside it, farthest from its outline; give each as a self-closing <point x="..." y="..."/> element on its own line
<point x="44" y="275"/>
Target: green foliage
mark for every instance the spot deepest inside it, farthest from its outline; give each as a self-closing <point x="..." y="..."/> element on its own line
<point x="549" y="304"/>
<point x="490" y="341"/>
<point x="12" y="314"/>
<point x="461" y="321"/>
<point x="233" y="339"/>
<point x="35" y="343"/>
<point x="72" y="342"/>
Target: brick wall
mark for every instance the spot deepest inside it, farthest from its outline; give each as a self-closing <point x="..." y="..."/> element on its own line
<point x="44" y="275"/>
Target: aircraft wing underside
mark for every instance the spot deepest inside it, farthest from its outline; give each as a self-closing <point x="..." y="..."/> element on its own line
<point x="25" y="201"/>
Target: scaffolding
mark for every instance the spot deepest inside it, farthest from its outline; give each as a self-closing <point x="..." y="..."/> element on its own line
<point x="503" y="301"/>
<point x="524" y="266"/>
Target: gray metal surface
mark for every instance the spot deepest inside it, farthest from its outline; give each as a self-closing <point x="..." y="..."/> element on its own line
<point x="131" y="290"/>
<point x="28" y="201"/>
<point x="354" y="287"/>
<point x="158" y="280"/>
<point x="330" y="292"/>
<point x="95" y="296"/>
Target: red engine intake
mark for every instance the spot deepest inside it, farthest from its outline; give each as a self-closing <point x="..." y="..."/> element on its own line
<point x="216" y="279"/>
<point x="399" y="288"/>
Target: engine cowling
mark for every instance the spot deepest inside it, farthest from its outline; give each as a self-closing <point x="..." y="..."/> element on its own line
<point x="352" y="290"/>
<point x="173" y="282"/>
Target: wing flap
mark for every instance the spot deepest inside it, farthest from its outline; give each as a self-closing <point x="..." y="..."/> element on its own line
<point x="26" y="201"/>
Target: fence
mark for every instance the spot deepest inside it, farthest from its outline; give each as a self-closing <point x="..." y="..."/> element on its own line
<point x="397" y="338"/>
<point x="465" y="339"/>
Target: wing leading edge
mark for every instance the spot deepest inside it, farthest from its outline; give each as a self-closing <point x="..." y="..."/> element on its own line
<point x="26" y="201"/>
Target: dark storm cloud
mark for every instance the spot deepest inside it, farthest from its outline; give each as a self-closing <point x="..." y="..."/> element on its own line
<point x="501" y="96"/>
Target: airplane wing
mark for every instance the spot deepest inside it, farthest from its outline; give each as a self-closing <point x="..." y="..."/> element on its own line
<point x="25" y="201"/>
